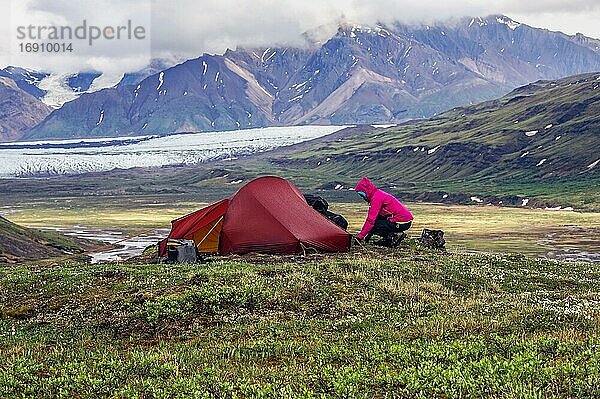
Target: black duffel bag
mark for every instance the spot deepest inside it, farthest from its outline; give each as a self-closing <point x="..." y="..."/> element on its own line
<point x="320" y="205"/>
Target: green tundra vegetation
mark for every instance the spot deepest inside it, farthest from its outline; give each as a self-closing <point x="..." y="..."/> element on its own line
<point x="19" y="243"/>
<point x="372" y="323"/>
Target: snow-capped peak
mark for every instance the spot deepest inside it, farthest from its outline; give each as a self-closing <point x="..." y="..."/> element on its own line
<point x="512" y="25"/>
<point x="351" y="29"/>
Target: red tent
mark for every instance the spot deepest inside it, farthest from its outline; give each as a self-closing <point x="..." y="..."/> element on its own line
<point x="268" y="215"/>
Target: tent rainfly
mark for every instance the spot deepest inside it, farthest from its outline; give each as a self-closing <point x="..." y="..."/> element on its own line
<point x="267" y="215"/>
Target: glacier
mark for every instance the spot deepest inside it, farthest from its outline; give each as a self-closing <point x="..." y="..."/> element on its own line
<point x="63" y="157"/>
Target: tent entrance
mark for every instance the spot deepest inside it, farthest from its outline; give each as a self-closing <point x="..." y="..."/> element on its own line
<point x="207" y="237"/>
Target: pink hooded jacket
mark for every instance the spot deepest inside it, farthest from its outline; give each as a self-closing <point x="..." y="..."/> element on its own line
<point x="381" y="203"/>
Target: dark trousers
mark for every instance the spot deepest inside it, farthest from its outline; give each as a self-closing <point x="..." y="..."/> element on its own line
<point x="384" y="228"/>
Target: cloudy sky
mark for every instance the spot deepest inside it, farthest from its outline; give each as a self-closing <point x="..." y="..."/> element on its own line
<point x="189" y="28"/>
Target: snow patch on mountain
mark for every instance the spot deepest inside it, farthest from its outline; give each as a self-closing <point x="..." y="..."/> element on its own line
<point x="559" y="208"/>
<point x="59" y="92"/>
<point x="266" y="59"/>
<point x="433" y="150"/>
<point x="512" y="25"/>
<point x="161" y="80"/>
<point x="104" y="81"/>
<point x="101" y="118"/>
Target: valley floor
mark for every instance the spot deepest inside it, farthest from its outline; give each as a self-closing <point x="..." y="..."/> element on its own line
<point x="554" y="234"/>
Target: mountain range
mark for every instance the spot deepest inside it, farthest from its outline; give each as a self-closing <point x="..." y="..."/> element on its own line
<point x="55" y="89"/>
<point x="380" y="74"/>
<point x="536" y="146"/>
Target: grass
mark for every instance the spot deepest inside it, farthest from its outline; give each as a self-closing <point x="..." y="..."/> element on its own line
<point x="581" y="194"/>
<point x="145" y="215"/>
<point x="406" y="323"/>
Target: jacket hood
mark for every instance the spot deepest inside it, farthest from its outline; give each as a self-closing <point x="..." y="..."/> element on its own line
<point x="366" y="187"/>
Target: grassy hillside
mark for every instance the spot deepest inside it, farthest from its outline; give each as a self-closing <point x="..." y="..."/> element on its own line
<point x="504" y="139"/>
<point x="19" y="244"/>
<point x="372" y="323"/>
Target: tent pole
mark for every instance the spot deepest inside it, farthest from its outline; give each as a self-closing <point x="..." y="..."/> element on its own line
<point x="209" y="231"/>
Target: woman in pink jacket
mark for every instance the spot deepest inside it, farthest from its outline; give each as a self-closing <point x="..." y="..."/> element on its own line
<point x="387" y="218"/>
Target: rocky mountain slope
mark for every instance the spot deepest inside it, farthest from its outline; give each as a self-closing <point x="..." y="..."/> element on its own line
<point x="27" y="80"/>
<point x="19" y="110"/>
<point x="376" y="74"/>
<point x="505" y="51"/>
<point x="535" y="147"/>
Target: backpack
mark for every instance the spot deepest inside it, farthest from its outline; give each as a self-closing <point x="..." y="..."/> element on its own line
<point x="433" y="239"/>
